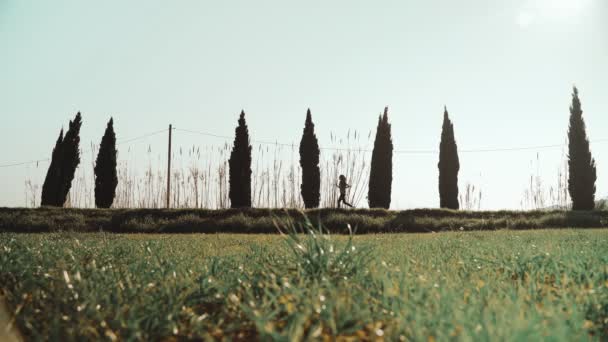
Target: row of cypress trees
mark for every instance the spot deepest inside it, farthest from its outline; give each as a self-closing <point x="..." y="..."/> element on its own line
<point x="582" y="170"/>
<point x="381" y="169"/>
<point x="66" y="157"/>
<point x="65" y="160"/>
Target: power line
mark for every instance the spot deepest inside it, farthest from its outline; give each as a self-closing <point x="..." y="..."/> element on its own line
<point x="121" y="142"/>
<point x="263" y="142"/>
<point x="292" y="145"/>
<point x="481" y="150"/>
<point x="230" y="138"/>
<point x="540" y="147"/>
<point x="24" y="163"/>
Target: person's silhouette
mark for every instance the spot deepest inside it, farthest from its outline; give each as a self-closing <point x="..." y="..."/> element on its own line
<point x="343" y="186"/>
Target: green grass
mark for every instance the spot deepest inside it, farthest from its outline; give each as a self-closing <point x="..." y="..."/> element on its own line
<point x="514" y="285"/>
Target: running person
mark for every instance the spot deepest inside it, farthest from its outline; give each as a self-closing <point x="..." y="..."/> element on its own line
<point x="343" y="186"/>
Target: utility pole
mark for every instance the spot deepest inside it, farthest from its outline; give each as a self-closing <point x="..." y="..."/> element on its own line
<point x="169" y="170"/>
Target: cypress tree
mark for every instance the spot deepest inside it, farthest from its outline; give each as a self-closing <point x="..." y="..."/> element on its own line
<point x="381" y="169"/>
<point x="309" y="161"/>
<point x="106" y="179"/>
<point x="50" y="188"/>
<point x="449" y="165"/>
<point x="240" y="167"/>
<point x="70" y="157"/>
<point x="581" y="165"/>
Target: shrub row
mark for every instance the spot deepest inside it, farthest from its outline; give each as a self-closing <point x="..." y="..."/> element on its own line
<point x="362" y="221"/>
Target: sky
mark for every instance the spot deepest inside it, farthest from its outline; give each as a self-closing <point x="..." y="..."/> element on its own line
<point x="504" y="69"/>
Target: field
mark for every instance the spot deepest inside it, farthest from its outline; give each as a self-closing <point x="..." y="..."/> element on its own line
<point x="515" y="285"/>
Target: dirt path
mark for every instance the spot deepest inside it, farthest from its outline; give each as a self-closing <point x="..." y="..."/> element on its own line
<point x="8" y="331"/>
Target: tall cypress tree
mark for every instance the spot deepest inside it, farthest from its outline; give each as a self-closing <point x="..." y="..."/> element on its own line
<point x="240" y="167"/>
<point x="50" y="188"/>
<point x="581" y="165"/>
<point x="381" y="169"/>
<point x="449" y="165"/>
<point x="64" y="161"/>
<point x="70" y="157"/>
<point x="106" y="178"/>
<point x="309" y="161"/>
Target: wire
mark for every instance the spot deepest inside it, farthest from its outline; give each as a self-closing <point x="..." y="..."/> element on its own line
<point x="24" y="163"/>
<point x="276" y="143"/>
<point x="121" y="142"/>
<point x="504" y="149"/>
<point x="230" y="138"/>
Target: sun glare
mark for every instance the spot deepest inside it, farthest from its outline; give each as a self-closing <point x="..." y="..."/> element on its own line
<point x="563" y="8"/>
<point x="538" y="11"/>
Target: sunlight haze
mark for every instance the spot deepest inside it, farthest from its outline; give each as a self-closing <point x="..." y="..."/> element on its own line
<point x="504" y="69"/>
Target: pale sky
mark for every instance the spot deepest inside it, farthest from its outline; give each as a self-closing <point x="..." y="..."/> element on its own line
<point x="505" y="69"/>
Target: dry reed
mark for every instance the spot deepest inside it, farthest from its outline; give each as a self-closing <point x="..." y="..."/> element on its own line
<point x="199" y="176"/>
